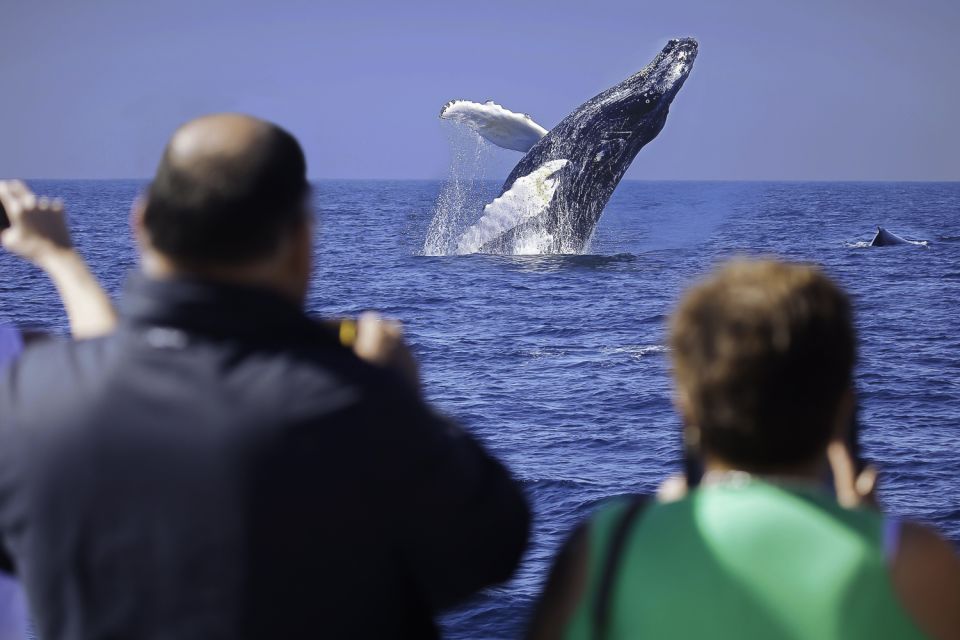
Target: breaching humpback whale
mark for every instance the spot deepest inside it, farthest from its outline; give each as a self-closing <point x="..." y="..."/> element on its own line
<point x="553" y="198"/>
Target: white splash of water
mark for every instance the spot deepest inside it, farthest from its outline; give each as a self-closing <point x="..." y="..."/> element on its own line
<point x="534" y="242"/>
<point x="461" y="197"/>
<point x="529" y="196"/>
<point x="502" y="127"/>
<point x="636" y="351"/>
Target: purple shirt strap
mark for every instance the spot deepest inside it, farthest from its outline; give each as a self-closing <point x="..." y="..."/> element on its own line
<point x="11" y="344"/>
<point x="892" y="528"/>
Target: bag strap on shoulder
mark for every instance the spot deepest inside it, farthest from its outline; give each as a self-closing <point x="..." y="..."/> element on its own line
<point x="621" y="533"/>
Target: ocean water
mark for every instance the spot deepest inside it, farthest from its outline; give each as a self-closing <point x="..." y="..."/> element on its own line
<point x="558" y="362"/>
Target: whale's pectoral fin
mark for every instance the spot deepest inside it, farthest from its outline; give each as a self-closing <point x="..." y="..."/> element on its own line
<point x="502" y="127"/>
<point x="528" y="198"/>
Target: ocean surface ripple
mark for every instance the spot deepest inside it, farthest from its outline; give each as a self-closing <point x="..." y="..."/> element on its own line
<point x="558" y="362"/>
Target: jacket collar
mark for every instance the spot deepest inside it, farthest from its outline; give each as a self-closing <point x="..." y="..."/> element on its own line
<point x="218" y="310"/>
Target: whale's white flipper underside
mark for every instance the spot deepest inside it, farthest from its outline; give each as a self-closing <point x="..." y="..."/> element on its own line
<point x="502" y="127"/>
<point x="529" y="196"/>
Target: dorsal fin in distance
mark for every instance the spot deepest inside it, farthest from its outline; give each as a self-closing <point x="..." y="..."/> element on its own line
<point x="495" y="123"/>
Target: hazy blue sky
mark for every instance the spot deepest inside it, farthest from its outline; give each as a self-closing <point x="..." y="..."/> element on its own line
<point x="782" y="89"/>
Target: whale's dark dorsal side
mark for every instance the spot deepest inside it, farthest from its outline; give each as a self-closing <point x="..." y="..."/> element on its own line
<point x="884" y="239"/>
<point x="599" y="141"/>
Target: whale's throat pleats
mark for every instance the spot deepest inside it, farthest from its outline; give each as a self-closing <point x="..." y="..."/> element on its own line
<point x="525" y="202"/>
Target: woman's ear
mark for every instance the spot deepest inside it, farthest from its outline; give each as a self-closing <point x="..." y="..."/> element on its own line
<point x="137" y="226"/>
<point x="691" y="437"/>
<point x="691" y="432"/>
<point x="681" y="403"/>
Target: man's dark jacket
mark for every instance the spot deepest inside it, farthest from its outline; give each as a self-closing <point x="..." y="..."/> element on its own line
<point x="222" y="468"/>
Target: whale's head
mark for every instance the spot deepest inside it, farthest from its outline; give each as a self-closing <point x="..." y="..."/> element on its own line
<point x="664" y="76"/>
<point x="641" y="102"/>
<point x="605" y="133"/>
<point x="599" y="140"/>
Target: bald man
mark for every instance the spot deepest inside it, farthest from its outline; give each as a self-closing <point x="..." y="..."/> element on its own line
<point x="222" y="466"/>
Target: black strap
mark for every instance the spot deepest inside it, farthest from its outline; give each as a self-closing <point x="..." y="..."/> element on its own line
<point x="601" y="610"/>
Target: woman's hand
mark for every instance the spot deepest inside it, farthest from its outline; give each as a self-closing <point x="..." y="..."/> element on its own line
<point x="38" y="233"/>
<point x="38" y="229"/>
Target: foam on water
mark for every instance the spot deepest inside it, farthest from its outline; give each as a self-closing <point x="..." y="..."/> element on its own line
<point x="637" y="351"/>
<point x="867" y="245"/>
<point x="527" y="198"/>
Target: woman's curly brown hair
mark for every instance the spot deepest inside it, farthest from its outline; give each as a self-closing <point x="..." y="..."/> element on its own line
<point x="763" y="353"/>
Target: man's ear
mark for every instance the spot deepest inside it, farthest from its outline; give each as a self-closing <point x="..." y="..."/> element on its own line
<point x="299" y="257"/>
<point x="152" y="262"/>
<point x="303" y="244"/>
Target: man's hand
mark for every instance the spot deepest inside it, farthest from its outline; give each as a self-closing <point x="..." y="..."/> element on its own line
<point x="38" y="230"/>
<point x="380" y="342"/>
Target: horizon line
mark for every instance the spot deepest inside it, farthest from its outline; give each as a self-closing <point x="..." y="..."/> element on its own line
<point x="443" y="179"/>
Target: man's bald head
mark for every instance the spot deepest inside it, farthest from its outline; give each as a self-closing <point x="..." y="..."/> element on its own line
<point x="228" y="188"/>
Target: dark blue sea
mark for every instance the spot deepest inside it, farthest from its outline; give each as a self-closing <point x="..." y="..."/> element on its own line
<point x="558" y="362"/>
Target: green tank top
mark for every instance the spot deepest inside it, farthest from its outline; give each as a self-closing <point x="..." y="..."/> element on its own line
<point x="743" y="561"/>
